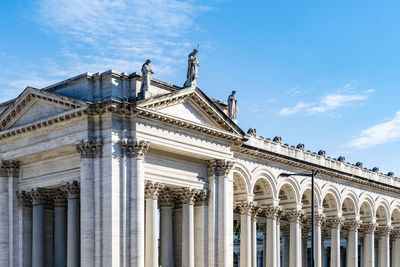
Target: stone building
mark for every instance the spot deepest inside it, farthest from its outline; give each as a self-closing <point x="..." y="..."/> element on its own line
<point x="93" y="173"/>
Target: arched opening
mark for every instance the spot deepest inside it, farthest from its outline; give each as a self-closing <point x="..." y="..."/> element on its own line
<point x="349" y="209"/>
<point x="366" y="212"/>
<point x="382" y="216"/>
<point x="395" y="218"/>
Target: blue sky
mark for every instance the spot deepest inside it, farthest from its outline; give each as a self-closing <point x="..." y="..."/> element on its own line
<point x="322" y="73"/>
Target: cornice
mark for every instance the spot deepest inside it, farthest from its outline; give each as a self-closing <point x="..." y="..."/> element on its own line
<point x="322" y="170"/>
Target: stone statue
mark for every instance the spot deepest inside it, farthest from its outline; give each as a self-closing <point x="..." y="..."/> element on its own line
<point x="192" y="71"/>
<point x="146" y="77"/>
<point x="232" y="106"/>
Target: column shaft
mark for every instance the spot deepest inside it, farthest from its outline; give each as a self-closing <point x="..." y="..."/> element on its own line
<point x="60" y="237"/>
<point x="25" y="235"/>
<point x="166" y="237"/>
<point x="295" y="252"/>
<point x="38" y="236"/>
<point x="278" y="243"/>
<point x="335" y="247"/>
<point x="4" y="220"/>
<point x="151" y="233"/>
<point x="396" y="252"/>
<point x="271" y="253"/>
<point x="369" y="250"/>
<point x="254" y="242"/>
<point x="317" y="245"/>
<point x="73" y="237"/>
<point x="245" y="240"/>
<point x="384" y="251"/>
<point x="352" y="248"/>
<point x="286" y="249"/>
<point x="187" y="236"/>
<point x="200" y="235"/>
<point x="304" y="257"/>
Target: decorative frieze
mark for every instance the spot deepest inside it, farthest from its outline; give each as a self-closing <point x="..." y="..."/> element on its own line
<point x="90" y="148"/>
<point x="9" y="168"/>
<point x="72" y="189"/>
<point x="153" y="189"/>
<point x="133" y="148"/>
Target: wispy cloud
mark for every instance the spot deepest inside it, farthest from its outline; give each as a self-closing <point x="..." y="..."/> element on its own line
<point x="327" y="103"/>
<point x="379" y="134"/>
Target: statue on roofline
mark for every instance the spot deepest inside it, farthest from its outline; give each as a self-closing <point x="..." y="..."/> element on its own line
<point x="192" y="71"/>
<point x="232" y="106"/>
<point x="146" y="77"/>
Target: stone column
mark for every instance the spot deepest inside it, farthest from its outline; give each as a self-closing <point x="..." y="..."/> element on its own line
<point x="286" y="246"/>
<point x="319" y="219"/>
<point x="271" y="212"/>
<point x="187" y="197"/>
<point x="39" y="199"/>
<point x="245" y="232"/>
<point x="212" y="212"/>
<point x="278" y="238"/>
<point x="396" y="248"/>
<point x="135" y="150"/>
<point x="177" y="231"/>
<point x="152" y="190"/>
<point x="88" y="150"/>
<point x="73" y="226"/>
<point x="4" y="218"/>
<point x="352" y="242"/>
<point x="60" y="229"/>
<point x="25" y="229"/>
<point x="263" y="229"/>
<point x="200" y="229"/>
<point x="166" y="229"/>
<point x="254" y="237"/>
<point x="335" y="224"/>
<point x="304" y="242"/>
<point x="384" y="245"/>
<point x="224" y="212"/>
<point x="294" y="217"/>
<point x="369" y="244"/>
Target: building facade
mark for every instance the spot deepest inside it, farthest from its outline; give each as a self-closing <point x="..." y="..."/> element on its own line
<point x="95" y="172"/>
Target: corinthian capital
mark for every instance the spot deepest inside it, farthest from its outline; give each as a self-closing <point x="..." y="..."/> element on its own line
<point x="60" y="199"/>
<point x="246" y="207"/>
<point x="90" y="148"/>
<point x="294" y="215"/>
<point x="271" y="212"/>
<point x="352" y="225"/>
<point x="72" y="189"/>
<point x="383" y="230"/>
<point x="201" y="198"/>
<point x="133" y="148"/>
<point x="188" y="195"/>
<point x="152" y="189"/>
<point x="223" y="167"/>
<point x="319" y="219"/>
<point x="9" y="168"/>
<point x="335" y="222"/>
<point x="166" y="198"/>
<point x="24" y="199"/>
<point x="368" y="228"/>
<point x="40" y="196"/>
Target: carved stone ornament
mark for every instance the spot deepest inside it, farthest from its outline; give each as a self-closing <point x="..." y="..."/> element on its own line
<point x="335" y="222"/>
<point x="166" y="198"/>
<point x="133" y="148"/>
<point x="9" y="168"/>
<point x="383" y="230"/>
<point x="320" y="219"/>
<point x="72" y="189"/>
<point x="201" y="198"/>
<point x="211" y="168"/>
<point x="153" y="189"/>
<point x="395" y="233"/>
<point x="252" y="132"/>
<point x="368" y="228"/>
<point x="223" y="167"/>
<point x="285" y="229"/>
<point x="271" y="212"/>
<point x="60" y="199"/>
<point x="294" y="215"/>
<point x="352" y="225"/>
<point x="246" y="207"/>
<point x="40" y="196"/>
<point x="305" y="230"/>
<point x="90" y="148"/>
<point x="187" y="195"/>
<point x="24" y="199"/>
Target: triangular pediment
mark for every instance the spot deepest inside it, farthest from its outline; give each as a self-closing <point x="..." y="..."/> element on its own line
<point x="191" y="105"/>
<point x="34" y="105"/>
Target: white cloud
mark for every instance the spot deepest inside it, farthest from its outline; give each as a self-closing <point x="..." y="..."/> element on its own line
<point x="327" y="103"/>
<point x="379" y="134"/>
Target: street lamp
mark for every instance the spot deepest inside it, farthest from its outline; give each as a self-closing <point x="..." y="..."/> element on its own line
<point x="312" y="175"/>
